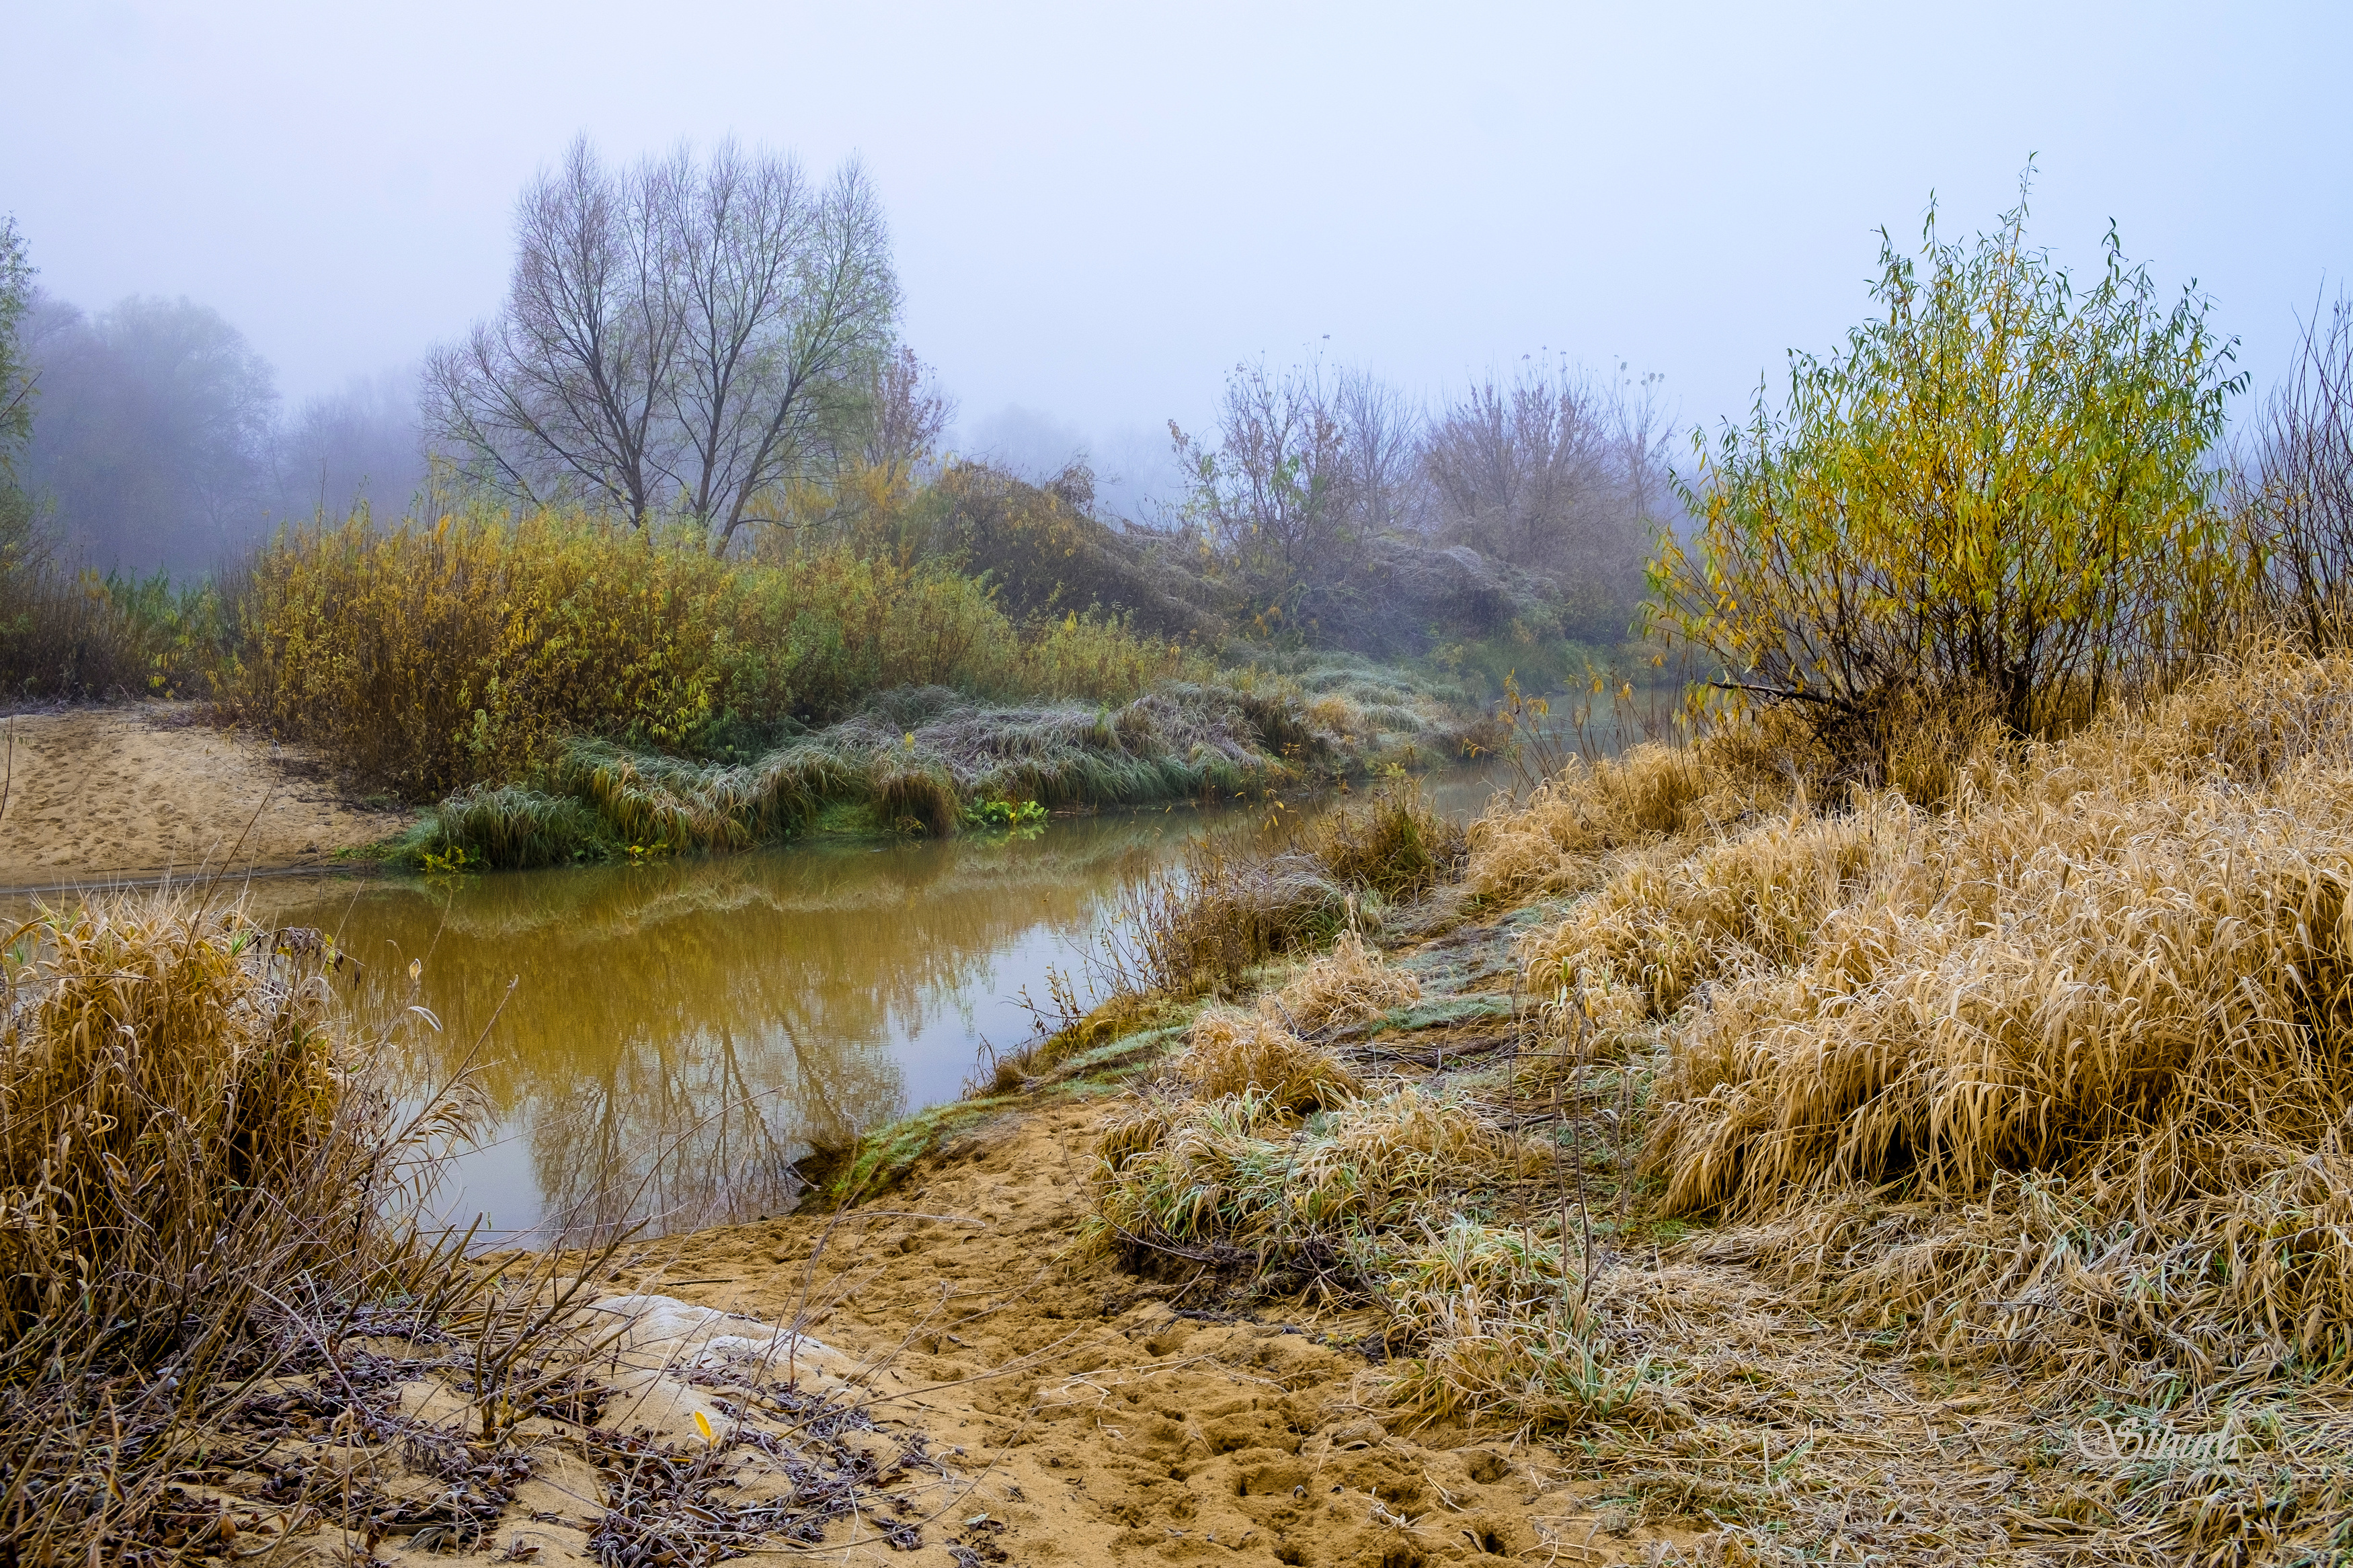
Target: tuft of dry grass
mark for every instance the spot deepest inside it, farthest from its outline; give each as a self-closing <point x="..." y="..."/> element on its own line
<point x="1222" y="915"/>
<point x="1238" y="1171"/>
<point x="207" y="1218"/>
<point x="184" y="1155"/>
<point x="1231" y="1052"/>
<point x="1554" y="841"/>
<point x="1352" y="983"/>
<point x="916" y="799"/>
<point x="1664" y="926"/>
<point x="173" y="1113"/>
<point x="1502" y="1322"/>
<point x="1395" y="844"/>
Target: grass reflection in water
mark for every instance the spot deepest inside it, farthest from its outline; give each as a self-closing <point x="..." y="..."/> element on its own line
<point x="683" y="1031"/>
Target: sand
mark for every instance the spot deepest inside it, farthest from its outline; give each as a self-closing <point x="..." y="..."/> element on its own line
<point x="1094" y="1415"/>
<point x="147" y="790"/>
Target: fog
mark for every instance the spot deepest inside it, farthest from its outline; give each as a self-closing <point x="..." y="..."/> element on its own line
<point x="1096" y="215"/>
<point x="159" y="440"/>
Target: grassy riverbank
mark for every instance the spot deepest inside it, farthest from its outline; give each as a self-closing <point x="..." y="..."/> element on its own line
<point x="930" y="761"/>
<point x="1705" y="1145"/>
<point x="1719" y="1123"/>
<point x="555" y="688"/>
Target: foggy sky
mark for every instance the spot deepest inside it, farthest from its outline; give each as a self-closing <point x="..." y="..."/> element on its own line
<point x="1099" y="208"/>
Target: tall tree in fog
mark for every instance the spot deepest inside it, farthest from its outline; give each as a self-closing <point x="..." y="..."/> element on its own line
<point x="359" y="444"/>
<point x="679" y="336"/>
<point x="1381" y="439"/>
<point x="566" y="387"/>
<point x="17" y="537"/>
<point x="155" y="437"/>
<point x="905" y="416"/>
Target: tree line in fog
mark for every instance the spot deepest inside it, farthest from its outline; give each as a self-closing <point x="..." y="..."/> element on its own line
<point x="709" y="338"/>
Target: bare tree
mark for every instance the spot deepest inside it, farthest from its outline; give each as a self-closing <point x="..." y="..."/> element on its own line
<point x="342" y="447"/>
<point x="568" y="388"/>
<point x="791" y="303"/>
<point x="906" y="414"/>
<point x="1276" y="493"/>
<point x="1381" y="438"/>
<point x="2303" y="481"/>
<point x="676" y="338"/>
<point x="1549" y="471"/>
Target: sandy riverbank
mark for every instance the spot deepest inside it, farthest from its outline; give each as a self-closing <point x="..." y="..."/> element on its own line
<point x="148" y="789"/>
<point x="1098" y="1416"/>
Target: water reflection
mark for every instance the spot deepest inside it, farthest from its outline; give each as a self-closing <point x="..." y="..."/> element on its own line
<point x="660" y="1043"/>
<point x="678" y="1033"/>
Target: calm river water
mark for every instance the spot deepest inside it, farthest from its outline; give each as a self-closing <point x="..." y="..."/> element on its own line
<point x="660" y="1042"/>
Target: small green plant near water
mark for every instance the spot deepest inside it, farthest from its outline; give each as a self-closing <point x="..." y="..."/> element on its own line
<point x="453" y="861"/>
<point x="1002" y="814"/>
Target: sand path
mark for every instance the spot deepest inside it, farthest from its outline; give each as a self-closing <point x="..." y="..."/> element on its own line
<point x="146" y="789"/>
<point x="1090" y="1419"/>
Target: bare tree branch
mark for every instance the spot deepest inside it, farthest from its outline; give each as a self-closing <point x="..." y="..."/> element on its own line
<point x="676" y="338"/>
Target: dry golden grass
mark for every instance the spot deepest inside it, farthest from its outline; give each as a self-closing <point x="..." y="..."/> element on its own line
<point x="1352" y="983"/>
<point x="1238" y="1171"/>
<point x="1663" y="925"/>
<point x="168" y="1098"/>
<point x="1503" y="1324"/>
<point x="182" y="1156"/>
<point x="201" y="1200"/>
<point x="2012" y="1094"/>
<point x="1204" y="928"/>
<point x="1396" y="843"/>
<point x="1555" y="841"/>
<point x="2094" y="1015"/>
<point x="1232" y="1052"/>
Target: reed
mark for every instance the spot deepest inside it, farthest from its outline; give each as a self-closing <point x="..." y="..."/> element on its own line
<point x="75" y="636"/>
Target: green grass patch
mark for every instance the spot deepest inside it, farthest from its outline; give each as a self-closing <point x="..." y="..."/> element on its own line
<point x="1437" y="1012"/>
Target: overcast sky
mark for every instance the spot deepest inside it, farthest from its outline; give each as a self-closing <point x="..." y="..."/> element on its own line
<point x="1098" y="208"/>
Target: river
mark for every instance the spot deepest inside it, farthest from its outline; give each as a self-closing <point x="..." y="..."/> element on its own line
<point x="659" y="1043"/>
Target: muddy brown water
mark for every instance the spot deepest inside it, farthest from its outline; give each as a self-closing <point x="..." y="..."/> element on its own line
<point x="660" y="1043"/>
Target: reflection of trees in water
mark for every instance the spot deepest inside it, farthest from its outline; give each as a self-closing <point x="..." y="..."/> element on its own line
<point x="681" y="1031"/>
<point x="694" y="1130"/>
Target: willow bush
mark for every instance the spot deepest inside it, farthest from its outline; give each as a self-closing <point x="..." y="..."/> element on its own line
<point x="1999" y="497"/>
